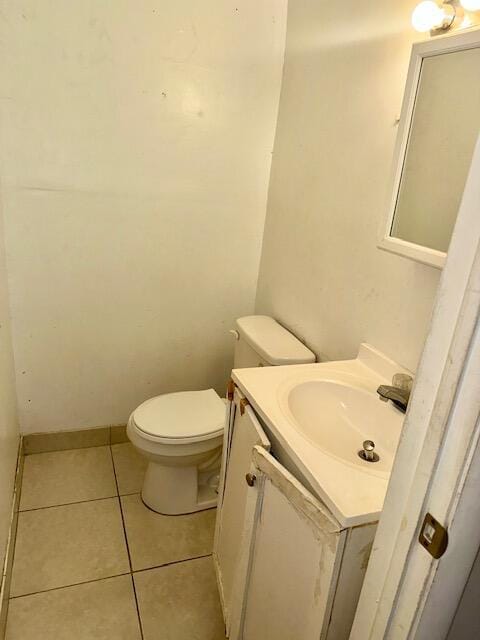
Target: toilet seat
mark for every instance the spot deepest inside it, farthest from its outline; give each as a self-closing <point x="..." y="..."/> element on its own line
<point x="184" y="417"/>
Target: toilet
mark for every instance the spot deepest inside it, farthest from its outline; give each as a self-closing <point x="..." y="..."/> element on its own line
<point x="181" y="434"/>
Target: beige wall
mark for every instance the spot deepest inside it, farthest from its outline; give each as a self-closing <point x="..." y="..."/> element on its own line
<point x="136" y="149"/>
<point x="8" y="407"/>
<point x="466" y="621"/>
<point x="321" y="273"/>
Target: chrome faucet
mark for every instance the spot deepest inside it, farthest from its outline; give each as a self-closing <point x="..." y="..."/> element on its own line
<point x="398" y="392"/>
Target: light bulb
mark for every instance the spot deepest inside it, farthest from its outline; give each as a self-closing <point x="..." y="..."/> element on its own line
<point x="470" y="5"/>
<point x="427" y="16"/>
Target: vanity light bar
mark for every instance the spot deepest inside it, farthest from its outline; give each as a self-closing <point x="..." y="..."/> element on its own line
<point x="434" y="16"/>
<point x="430" y="16"/>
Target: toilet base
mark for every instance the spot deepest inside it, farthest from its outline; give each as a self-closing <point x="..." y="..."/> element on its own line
<point x="177" y="490"/>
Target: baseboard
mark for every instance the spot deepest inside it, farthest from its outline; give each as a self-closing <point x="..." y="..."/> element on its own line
<point x="77" y="439"/>
<point x="10" y="549"/>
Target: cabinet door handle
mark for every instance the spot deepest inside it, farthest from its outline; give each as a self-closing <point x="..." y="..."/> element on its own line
<point x="251" y="478"/>
<point x="243" y="403"/>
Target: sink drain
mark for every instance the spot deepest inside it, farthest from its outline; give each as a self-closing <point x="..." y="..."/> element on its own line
<point x="368" y="452"/>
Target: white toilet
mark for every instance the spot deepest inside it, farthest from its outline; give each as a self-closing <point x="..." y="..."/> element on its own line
<point x="181" y="434"/>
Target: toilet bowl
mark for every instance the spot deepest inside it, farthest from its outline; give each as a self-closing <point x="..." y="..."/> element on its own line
<point x="181" y="435"/>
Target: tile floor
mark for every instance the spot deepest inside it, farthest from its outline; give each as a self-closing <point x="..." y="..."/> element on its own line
<point x="92" y="562"/>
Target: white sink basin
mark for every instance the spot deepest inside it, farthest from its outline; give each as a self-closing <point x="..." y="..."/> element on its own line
<point x="337" y="417"/>
<point x="317" y="417"/>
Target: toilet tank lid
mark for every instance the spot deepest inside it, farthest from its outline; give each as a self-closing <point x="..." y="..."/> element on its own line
<point x="273" y="342"/>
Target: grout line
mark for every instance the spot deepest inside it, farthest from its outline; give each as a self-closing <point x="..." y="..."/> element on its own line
<point x="121" y="510"/>
<point x="137" y="607"/>
<point x="127" y="545"/>
<point x="67" y="504"/>
<point x="68" y="586"/>
<point x="169" y="564"/>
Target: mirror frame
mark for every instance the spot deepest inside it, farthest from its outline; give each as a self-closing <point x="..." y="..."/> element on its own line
<point x="456" y="41"/>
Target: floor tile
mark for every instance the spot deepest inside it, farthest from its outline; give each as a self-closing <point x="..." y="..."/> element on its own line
<point x="129" y="468"/>
<point x="155" y="540"/>
<point x="62" y="477"/>
<point x="60" y="440"/>
<point x="61" y="546"/>
<point x="103" y="610"/>
<point x="180" y="602"/>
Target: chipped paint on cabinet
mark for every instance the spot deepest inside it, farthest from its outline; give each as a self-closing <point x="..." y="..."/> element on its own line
<point x="285" y="566"/>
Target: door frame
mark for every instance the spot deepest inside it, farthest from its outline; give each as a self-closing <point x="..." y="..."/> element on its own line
<point x="432" y="468"/>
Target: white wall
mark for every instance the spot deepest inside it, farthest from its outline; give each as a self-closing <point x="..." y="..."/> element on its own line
<point x="466" y="622"/>
<point x="321" y="273"/>
<point x="9" y="435"/>
<point x="136" y="148"/>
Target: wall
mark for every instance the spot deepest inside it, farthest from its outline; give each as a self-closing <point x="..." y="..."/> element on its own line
<point x="137" y="142"/>
<point x="8" y="407"/>
<point x="321" y="273"/>
<point x="466" y="622"/>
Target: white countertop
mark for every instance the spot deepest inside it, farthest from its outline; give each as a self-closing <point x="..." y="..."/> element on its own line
<point x="353" y="493"/>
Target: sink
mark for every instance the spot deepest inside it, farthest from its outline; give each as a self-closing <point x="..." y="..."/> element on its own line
<point x="337" y="417"/>
<point x="317" y="417"/>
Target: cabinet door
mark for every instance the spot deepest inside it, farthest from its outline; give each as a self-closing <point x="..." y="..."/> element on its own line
<point x="233" y="529"/>
<point x="294" y="559"/>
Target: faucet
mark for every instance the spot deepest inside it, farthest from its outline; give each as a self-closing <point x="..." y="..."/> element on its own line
<point x="398" y="392"/>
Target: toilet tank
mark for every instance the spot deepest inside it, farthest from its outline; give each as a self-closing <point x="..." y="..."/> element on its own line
<point x="262" y="342"/>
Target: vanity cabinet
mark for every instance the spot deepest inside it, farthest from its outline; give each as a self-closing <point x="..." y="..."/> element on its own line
<point x="285" y="567"/>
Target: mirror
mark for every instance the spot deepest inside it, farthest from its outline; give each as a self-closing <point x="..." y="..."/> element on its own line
<point x="438" y="129"/>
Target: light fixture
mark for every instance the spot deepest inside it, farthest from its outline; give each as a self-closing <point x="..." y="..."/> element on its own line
<point x="470" y="5"/>
<point x="430" y="16"/>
